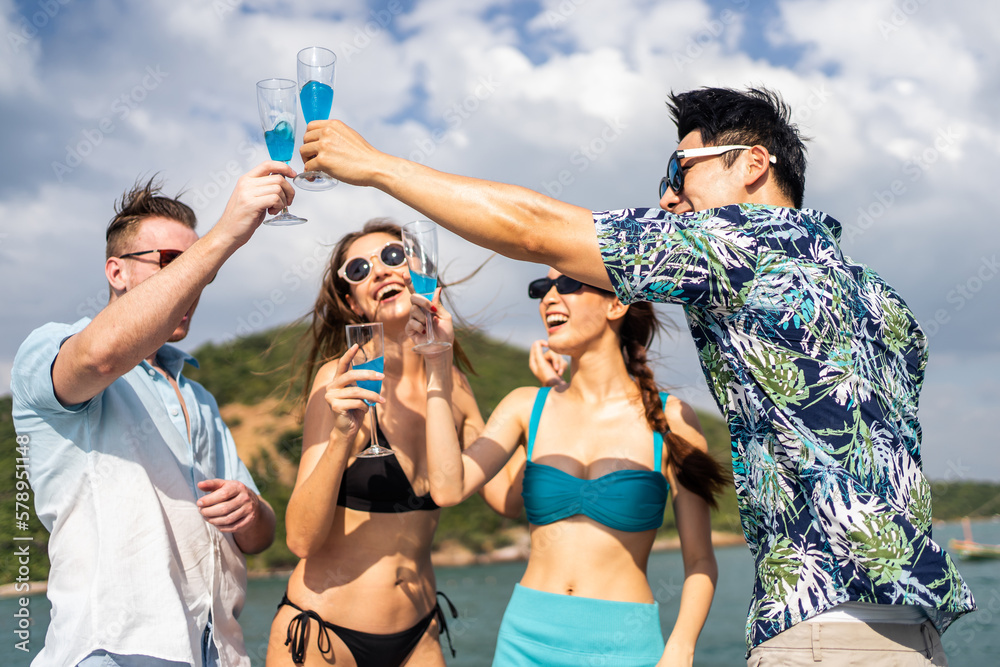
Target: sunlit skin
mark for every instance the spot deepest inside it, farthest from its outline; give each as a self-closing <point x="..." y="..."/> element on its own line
<point x="125" y="274"/>
<point x="228" y="504"/>
<point x="708" y="183"/>
<point x="592" y="426"/>
<point x="521" y="223"/>
<point x="366" y="570"/>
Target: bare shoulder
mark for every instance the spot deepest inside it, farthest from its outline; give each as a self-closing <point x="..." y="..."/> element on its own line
<point x="326" y="373"/>
<point x="515" y="406"/>
<point x="522" y="397"/>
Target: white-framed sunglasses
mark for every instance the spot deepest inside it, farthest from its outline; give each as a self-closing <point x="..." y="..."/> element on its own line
<point x="356" y="269"/>
<point x="675" y="173"/>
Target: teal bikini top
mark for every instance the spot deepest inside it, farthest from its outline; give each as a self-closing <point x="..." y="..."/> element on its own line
<point x="628" y="500"/>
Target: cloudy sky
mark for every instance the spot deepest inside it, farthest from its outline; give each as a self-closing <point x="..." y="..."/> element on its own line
<point x="562" y="96"/>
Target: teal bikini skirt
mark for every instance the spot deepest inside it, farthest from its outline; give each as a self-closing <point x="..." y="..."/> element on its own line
<point x="549" y="629"/>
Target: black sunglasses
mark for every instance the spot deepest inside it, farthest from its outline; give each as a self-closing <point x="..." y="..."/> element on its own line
<point x="356" y="269"/>
<point x="675" y="173"/>
<point x="166" y="256"/>
<point x="564" y="285"/>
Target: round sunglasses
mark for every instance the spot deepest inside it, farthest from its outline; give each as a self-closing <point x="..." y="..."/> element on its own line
<point x="356" y="269"/>
<point x="564" y="285"/>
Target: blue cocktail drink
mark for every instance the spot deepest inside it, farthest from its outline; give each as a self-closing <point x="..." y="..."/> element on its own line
<point x="372" y="385"/>
<point x="316" y="100"/>
<point x="424" y="285"/>
<point x="280" y="141"/>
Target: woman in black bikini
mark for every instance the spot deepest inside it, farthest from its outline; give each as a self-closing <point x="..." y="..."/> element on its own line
<point x="364" y="592"/>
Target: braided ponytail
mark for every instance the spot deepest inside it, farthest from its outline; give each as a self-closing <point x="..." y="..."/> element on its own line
<point x="696" y="470"/>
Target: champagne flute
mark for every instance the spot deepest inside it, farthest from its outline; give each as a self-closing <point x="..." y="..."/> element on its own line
<point x="315" y="71"/>
<point x="370" y="356"/>
<point x="276" y="104"/>
<point x="421" y="249"/>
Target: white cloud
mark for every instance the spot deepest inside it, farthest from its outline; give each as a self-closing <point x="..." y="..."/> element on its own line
<point x="569" y="100"/>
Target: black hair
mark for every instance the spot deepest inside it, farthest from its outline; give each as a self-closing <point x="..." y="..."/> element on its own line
<point x="753" y="117"/>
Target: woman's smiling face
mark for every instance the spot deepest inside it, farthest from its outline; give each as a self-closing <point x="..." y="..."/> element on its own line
<point x="382" y="296"/>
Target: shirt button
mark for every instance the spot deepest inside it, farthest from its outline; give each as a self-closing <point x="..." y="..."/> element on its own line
<point x="151" y="372"/>
<point x="174" y="412"/>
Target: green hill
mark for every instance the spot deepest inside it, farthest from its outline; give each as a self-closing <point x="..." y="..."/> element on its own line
<point x="256" y="368"/>
<point x="248" y="376"/>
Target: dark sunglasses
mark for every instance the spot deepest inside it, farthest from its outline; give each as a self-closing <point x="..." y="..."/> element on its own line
<point x="675" y="172"/>
<point x="356" y="269"/>
<point x="564" y="285"/>
<point x="166" y="256"/>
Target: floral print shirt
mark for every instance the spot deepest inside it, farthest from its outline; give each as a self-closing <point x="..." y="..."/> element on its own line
<point x="816" y="363"/>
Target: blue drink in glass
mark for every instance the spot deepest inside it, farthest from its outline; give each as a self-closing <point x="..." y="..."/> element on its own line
<point x="316" y="99"/>
<point x="377" y="364"/>
<point x="424" y="285"/>
<point x="276" y="102"/>
<point x="315" y="73"/>
<point x="280" y="141"/>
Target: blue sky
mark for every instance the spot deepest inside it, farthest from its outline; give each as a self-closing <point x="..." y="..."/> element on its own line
<point x="898" y="98"/>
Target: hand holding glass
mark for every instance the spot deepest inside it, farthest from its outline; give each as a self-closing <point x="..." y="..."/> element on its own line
<point x="370" y="356"/>
<point x="276" y="104"/>
<point x="315" y="72"/>
<point x="421" y="249"/>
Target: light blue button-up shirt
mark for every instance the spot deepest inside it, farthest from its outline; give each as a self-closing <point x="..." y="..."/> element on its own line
<point x="136" y="568"/>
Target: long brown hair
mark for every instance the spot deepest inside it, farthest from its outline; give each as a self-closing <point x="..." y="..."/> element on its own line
<point x="696" y="470"/>
<point x="326" y="336"/>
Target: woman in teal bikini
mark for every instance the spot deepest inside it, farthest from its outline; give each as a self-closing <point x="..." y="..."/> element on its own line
<point x="600" y="456"/>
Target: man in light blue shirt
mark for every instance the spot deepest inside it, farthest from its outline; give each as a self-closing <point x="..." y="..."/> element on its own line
<point x="134" y="473"/>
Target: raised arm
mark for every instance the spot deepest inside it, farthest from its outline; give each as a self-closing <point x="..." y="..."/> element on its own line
<point x="514" y="221"/>
<point x="133" y="326"/>
<point x="334" y="413"/>
<point x="694" y="528"/>
<point x="456" y="474"/>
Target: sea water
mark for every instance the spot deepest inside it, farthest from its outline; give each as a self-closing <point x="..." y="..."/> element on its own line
<point x="481" y="592"/>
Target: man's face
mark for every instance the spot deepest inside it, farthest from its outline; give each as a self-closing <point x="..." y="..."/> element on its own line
<point x="153" y="234"/>
<point x="707" y="181"/>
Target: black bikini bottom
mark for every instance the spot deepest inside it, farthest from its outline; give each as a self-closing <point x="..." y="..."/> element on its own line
<point x="368" y="649"/>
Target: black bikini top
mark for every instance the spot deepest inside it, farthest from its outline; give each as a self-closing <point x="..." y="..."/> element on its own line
<point x="380" y="485"/>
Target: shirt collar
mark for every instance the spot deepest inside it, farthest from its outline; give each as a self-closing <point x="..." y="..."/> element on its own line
<point x="173" y="359"/>
<point x="831" y="223"/>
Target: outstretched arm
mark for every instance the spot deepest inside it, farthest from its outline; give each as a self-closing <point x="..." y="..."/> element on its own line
<point x="514" y="221"/>
<point x="135" y="325"/>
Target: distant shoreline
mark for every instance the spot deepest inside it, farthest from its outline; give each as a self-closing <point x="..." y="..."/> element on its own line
<point x="456" y="555"/>
<point x="451" y="555"/>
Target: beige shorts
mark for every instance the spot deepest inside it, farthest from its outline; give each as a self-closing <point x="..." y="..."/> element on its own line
<point x="863" y="644"/>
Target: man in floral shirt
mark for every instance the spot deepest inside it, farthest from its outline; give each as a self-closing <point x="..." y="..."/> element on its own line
<point x="814" y="360"/>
